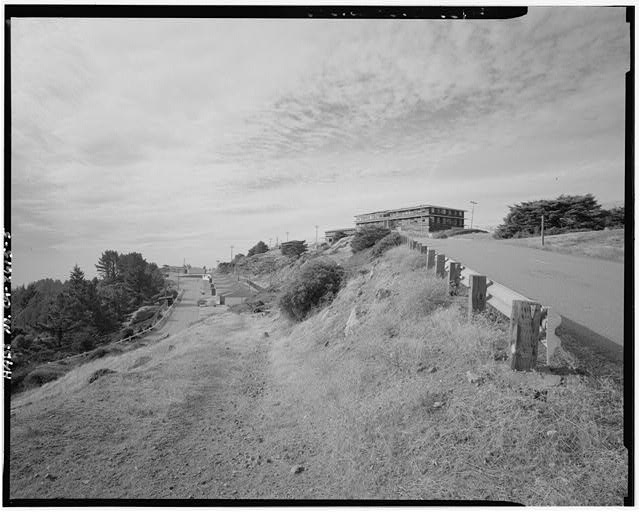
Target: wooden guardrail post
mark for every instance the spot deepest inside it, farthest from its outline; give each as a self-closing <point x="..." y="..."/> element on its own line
<point x="454" y="278"/>
<point x="477" y="294"/>
<point x="524" y="334"/>
<point x="440" y="265"/>
<point x="431" y="258"/>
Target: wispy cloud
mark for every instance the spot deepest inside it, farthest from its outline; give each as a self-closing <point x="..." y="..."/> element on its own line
<point x="201" y="132"/>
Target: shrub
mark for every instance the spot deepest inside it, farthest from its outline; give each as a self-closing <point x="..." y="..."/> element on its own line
<point x="338" y="235"/>
<point x="564" y="214"/>
<point x="42" y="375"/>
<point x="144" y="313"/>
<point x="384" y="244"/>
<point x="315" y="285"/>
<point x="259" y="248"/>
<point x="293" y="248"/>
<point x="367" y="237"/>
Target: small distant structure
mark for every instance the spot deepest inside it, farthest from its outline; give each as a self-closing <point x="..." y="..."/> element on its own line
<point x="426" y="216"/>
<point x="331" y="236"/>
<point x="234" y="297"/>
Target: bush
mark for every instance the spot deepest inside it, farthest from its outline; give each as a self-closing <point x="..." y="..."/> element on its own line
<point x="339" y="235"/>
<point x="367" y="237"/>
<point x="315" y="285"/>
<point x="563" y="215"/>
<point x="144" y="313"/>
<point x="259" y="248"/>
<point x="391" y="240"/>
<point x="42" y="375"/>
<point x="294" y="248"/>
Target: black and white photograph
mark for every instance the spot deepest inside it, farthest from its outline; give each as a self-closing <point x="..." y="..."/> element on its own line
<point x="296" y="255"/>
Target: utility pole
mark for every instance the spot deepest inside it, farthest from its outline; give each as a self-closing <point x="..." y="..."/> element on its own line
<point x="473" y="204"/>
<point x="316" y="236"/>
<point x="232" y="253"/>
<point x="287" y="236"/>
<point x="270" y="242"/>
<point x="542" y="230"/>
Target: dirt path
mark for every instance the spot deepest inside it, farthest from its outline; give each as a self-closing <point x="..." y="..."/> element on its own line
<point x="193" y="416"/>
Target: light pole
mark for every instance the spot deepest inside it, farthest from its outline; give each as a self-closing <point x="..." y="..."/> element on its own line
<point x="473" y="204"/>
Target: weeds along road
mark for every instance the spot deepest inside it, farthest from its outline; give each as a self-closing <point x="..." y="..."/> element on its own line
<point x="584" y="290"/>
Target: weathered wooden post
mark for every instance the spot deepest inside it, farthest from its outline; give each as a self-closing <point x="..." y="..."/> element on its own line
<point x="431" y="258"/>
<point x="524" y="334"/>
<point x="550" y="322"/>
<point x="477" y="294"/>
<point x="440" y="265"/>
<point x="454" y="278"/>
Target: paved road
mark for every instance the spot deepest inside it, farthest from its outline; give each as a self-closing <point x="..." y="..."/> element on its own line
<point x="186" y="311"/>
<point x="587" y="291"/>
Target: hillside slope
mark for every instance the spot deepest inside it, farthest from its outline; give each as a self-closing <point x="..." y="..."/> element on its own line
<point x="387" y="393"/>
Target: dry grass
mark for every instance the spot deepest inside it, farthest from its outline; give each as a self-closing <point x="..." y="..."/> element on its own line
<point x="606" y="245"/>
<point x="401" y="420"/>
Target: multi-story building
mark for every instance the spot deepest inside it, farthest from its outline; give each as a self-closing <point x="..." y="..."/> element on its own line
<point x="426" y="216"/>
<point x="330" y="236"/>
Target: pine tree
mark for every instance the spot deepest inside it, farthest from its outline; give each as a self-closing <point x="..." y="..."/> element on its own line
<point x="107" y="265"/>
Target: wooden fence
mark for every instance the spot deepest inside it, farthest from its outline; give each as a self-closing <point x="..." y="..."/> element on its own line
<point x="530" y="321"/>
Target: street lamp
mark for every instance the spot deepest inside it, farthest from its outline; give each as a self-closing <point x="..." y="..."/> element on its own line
<point x="473" y="204"/>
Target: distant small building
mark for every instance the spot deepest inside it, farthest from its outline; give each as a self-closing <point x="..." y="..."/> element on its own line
<point x="331" y="236"/>
<point x="426" y="216"/>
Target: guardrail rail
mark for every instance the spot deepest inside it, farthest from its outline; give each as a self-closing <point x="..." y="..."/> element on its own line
<point x="530" y="321"/>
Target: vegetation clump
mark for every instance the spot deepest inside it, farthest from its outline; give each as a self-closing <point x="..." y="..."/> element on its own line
<point x="293" y="248"/>
<point x="562" y="215"/>
<point x="367" y="237"/>
<point x="393" y="239"/>
<point x="53" y="320"/>
<point x="315" y="285"/>
<point x="259" y="248"/>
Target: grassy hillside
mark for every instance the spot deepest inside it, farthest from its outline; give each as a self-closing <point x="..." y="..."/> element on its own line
<point x="389" y="392"/>
<point x="607" y="245"/>
<point x="417" y="401"/>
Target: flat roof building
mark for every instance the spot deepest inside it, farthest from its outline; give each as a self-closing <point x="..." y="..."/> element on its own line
<point x="427" y="216"/>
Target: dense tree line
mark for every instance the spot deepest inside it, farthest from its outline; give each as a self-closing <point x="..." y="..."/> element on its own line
<point x="562" y="215"/>
<point x="51" y="319"/>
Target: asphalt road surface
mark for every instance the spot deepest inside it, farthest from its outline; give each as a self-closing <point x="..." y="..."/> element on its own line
<point x="585" y="291"/>
<point x="186" y="311"/>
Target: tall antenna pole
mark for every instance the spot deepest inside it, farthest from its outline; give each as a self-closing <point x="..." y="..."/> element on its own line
<point x="473" y="204"/>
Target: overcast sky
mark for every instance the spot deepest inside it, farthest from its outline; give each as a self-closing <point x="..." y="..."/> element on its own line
<point x="179" y="138"/>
